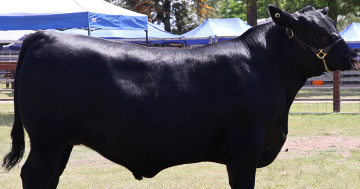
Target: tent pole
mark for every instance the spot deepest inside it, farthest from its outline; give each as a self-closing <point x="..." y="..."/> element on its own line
<point x="147" y="38"/>
<point x="89" y="29"/>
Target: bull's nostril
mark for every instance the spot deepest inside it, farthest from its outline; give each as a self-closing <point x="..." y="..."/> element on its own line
<point x="355" y="62"/>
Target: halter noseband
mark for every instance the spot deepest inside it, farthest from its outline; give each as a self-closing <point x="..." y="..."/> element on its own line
<point x="320" y="53"/>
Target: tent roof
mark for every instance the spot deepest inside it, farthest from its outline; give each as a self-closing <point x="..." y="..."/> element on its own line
<point x="15" y="46"/>
<point x="218" y="27"/>
<point x="153" y="32"/>
<point x="59" y="14"/>
<point x="351" y="35"/>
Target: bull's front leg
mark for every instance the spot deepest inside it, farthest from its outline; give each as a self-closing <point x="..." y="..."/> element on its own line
<point x="242" y="152"/>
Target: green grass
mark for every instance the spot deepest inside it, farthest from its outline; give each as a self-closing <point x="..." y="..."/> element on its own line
<point x="6" y="95"/>
<point x="314" y="169"/>
<point x="3" y="85"/>
<point x="324" y="125"/>
<point x="319" y="170"/>
<point x="6" y="114"/>
<point x="322" y="107"/>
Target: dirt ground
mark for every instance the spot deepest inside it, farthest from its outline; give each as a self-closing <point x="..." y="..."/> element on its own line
<point x="304" y="145"/>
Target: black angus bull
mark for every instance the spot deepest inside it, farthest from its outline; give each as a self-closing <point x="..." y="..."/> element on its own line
<point x="148" y="109"/>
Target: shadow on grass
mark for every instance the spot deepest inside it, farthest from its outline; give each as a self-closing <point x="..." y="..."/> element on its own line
<point x="6" y="95"/>
<point x="6" y="119"/>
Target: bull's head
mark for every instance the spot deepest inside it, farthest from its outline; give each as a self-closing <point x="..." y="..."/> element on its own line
<point x="315" y="40"/>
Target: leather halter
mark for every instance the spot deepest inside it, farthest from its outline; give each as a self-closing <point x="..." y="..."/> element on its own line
<point x="320" y="53"/>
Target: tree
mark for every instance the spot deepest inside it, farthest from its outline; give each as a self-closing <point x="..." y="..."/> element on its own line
<point x="178" y="13"/>
<point x="215" y="11"/>
<point x="251" y="12"/>
<point x="345" y="20"/>
<point x="232" y="9"/>
<point x="239" y="9"/>
<point x="343" y="12"/>
<point x="344" y="8"/>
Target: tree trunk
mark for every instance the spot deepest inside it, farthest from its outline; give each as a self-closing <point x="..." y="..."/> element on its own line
<point x="166" y="18"/>
<point x="251" y="13"/>
<point x="333" y="10"/>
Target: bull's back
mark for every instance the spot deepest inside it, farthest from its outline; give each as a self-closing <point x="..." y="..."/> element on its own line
<point x="69" y="70"/>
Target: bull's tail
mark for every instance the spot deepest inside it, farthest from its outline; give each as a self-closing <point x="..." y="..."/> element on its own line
<point x="18" y="144"/>
<point x="17" y="132"/>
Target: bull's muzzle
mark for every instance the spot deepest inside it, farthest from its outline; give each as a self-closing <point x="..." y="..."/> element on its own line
<point x="355" y="62"/>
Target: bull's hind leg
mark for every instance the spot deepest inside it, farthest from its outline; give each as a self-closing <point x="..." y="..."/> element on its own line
<point x="63" y="161"/>
<point x="42" y="165"/>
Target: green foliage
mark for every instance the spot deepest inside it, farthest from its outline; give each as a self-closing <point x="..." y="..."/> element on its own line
<point x="232" y="9"/>
<point x="348" y="10"/>
<point x="295" y="5"/>
<point x="216" y="8"/>
<point x="178" y="16"/>
<point x="238" y="9"/>
<point x="345" y="20"/>
<point x="343" y="12"/>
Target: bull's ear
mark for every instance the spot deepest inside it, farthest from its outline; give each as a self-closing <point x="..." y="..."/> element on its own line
<point x="324" y="11"/>
<point x="280" y="17"/>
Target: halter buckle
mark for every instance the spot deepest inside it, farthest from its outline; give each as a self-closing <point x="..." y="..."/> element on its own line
<point x="288" y="32"/>
<point x="321" y="54"/>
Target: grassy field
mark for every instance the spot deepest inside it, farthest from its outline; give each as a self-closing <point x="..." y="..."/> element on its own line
<point x="314" y="169"/>
<point x="324" y="107"/>
<point x="9" y="95"/>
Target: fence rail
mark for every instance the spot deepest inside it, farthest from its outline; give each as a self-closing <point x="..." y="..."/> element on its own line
<point x="320" y="99"/>
<point x="8" y="75"/>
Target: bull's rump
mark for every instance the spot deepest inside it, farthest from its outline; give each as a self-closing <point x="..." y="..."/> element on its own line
<point x="120" y="104"/>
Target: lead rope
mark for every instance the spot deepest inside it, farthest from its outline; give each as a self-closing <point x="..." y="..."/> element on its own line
<point x="320" y="53"/>
<point x="326" y="68"/>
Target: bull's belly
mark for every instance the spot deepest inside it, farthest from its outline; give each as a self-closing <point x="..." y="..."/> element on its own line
<point x="146" y="149"/>
<point x="270" y="154"/>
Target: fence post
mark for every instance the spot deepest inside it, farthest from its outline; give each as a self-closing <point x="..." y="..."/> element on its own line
<point x="336" y="92"/>
<point x="12" y="77"/>
<point x="7" y="77"/>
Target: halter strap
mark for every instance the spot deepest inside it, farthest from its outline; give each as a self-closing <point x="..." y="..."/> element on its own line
<point x="320" y="53"/>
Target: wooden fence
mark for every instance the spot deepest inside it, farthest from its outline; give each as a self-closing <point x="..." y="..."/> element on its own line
<point x="9" y="67"/>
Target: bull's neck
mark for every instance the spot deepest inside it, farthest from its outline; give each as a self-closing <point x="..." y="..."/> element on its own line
<point x="295" y="77"/>
<point x="277" y="55"/>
